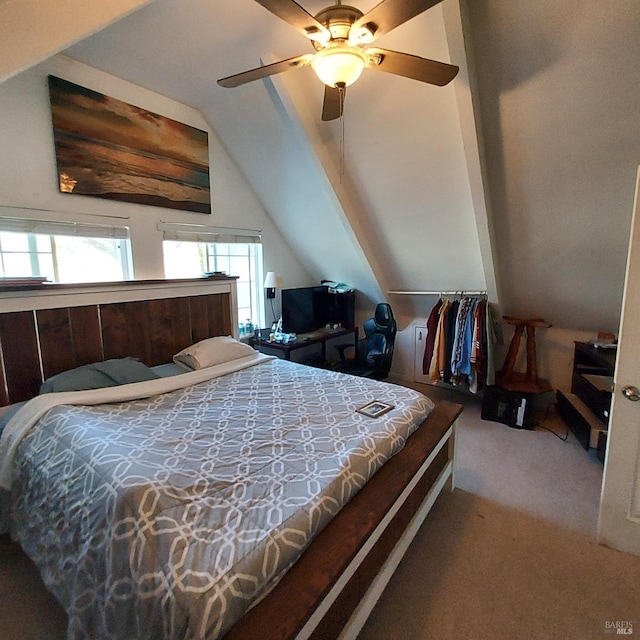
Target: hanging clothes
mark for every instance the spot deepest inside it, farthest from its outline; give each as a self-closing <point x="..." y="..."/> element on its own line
<point x="451" y="321"/>
<point x="438" y="347"/>
<point x="476" y="361"/>
<point x="462" y="342"/>
<point x="432" y="324"/>
<point x="459" y="348"/>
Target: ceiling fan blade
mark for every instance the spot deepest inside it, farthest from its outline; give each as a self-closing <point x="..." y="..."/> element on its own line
<point x="263" y="72"/>
<point x="390" y="14"/>
<point x="333" y="103"/>
<point x="414" y="67"/>
<point x="299" y="18"/>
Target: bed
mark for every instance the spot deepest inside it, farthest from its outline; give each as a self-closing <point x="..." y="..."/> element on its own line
<point x="133" y="543"/>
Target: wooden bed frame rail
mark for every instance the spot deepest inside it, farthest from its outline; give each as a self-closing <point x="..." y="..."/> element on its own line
<point x="333" y="587"/>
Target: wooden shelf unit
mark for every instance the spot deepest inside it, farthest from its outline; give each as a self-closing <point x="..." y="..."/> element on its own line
<point x="586" y="408"/>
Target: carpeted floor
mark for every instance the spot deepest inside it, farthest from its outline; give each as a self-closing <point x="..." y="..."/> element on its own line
<point x="510" y="554"/>
<point x="480" y="571"/>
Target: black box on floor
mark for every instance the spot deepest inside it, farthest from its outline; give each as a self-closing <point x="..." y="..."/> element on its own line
<point x="512" y="408"/>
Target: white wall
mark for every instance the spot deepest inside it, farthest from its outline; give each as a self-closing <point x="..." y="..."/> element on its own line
<point x="28" y="177"/>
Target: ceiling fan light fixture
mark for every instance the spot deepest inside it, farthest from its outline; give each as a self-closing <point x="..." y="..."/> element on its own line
<point x="362" y="35"/>
<point x="339" y="65"/>
<point x="316" y="35"/>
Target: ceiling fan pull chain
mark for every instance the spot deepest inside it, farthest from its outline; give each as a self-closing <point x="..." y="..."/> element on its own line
<point x="342" y="90"/>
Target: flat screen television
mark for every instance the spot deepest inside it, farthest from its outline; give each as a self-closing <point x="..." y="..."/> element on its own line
<point x="299" y="310"/>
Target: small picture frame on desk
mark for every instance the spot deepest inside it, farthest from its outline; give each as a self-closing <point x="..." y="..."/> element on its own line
<point x="375" y="409"/>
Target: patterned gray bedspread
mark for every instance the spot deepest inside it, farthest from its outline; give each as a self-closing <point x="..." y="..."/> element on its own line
<point x="167" y="517"/>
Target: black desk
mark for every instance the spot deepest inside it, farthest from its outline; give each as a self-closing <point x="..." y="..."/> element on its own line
<point x="319" y="337"/>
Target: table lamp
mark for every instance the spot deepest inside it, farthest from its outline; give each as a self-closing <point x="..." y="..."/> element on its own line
<point x="272" y="281"/>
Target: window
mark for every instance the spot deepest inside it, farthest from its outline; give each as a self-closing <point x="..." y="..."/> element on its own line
<point x="63" y="252"/>
<point x="191" y="250"/>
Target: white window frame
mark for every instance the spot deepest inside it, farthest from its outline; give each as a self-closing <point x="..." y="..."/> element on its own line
<point x="53" y="228"/>
<point x="212" y="236"/>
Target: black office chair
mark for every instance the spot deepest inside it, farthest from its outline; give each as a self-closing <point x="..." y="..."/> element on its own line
<point x="374" y="352"/>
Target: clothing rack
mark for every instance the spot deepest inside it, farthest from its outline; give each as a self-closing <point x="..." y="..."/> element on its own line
<point x="437" y="293"/>
<point x="459" y="344"/>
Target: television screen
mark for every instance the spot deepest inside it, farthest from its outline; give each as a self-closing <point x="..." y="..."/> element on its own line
<point x="298" y="310"/>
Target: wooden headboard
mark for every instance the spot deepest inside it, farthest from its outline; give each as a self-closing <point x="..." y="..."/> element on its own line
<point x="52" y="328"/>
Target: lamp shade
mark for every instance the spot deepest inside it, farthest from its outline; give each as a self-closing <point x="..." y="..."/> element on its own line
<point x="339" y="65"/>
<point x="272" y="280"/>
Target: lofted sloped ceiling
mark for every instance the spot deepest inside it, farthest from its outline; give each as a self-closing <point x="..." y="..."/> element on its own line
<point x="558" y="98"/>
<point x="553" y="99"/>
<point x="397" y="216"/>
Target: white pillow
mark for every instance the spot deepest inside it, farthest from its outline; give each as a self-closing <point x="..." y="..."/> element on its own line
<point x="211" y="351"/>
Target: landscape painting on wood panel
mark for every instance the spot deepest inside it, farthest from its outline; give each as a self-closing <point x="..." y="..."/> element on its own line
<point x="110" y="149"/>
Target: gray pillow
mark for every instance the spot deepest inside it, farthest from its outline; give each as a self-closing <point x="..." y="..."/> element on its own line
<point x="79" y="379"/>
<point x="169" y="369"/>
<point x="98" y="375"/>
<point x="125" y="370"/>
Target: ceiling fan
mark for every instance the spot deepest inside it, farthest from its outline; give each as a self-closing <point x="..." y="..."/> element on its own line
<point x="340" y="35"/>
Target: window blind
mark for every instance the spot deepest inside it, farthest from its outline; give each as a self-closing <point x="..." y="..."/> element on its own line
<point x="56" y="228"/>
<point x="202" y="233"/>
